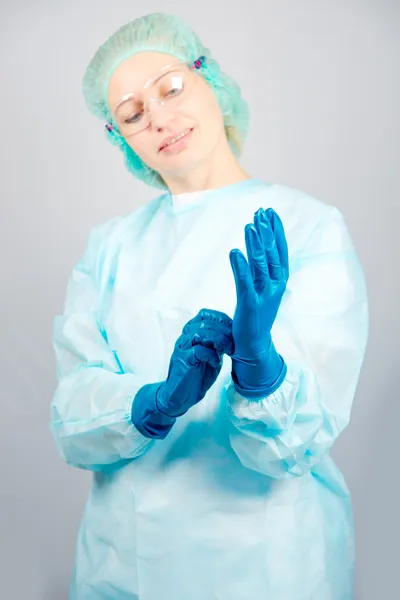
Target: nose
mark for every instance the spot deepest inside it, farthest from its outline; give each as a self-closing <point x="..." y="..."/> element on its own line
<point x="159" y="115"/>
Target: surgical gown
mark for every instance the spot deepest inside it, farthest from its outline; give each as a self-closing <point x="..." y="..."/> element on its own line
<point x="241" y="501"/>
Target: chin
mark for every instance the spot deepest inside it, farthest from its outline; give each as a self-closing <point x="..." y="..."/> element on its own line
<point x="180" y="162"/>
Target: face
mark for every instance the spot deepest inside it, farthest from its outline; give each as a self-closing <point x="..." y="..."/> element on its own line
<point x="198" y="112"/>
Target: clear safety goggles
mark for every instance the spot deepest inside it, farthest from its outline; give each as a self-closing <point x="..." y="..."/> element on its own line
<point x="170" y="88"/>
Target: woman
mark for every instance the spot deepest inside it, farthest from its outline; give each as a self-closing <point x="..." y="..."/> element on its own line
<point x="205" y="393"/>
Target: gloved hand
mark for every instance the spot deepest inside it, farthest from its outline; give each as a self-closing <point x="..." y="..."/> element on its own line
<point x="257" y="369"/>
<point x="194" y="366"/>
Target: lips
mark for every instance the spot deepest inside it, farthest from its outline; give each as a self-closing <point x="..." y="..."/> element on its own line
<point x="171" y="137"/>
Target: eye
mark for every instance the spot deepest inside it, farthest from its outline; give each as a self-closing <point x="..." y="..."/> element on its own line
<point x="134" y="118"/>
<point x="173" y="92"/>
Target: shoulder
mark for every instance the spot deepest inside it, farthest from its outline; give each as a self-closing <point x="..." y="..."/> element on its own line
<point x="302" y="213"/>
<point x="300" y="203"/>
<point x="290" y="203"/>
<point x="106" y="233"/>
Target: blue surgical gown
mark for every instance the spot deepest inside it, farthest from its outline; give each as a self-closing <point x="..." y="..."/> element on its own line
<point x="241" y="501"/>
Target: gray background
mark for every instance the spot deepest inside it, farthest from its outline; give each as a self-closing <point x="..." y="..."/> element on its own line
<point x="320" y="77"/>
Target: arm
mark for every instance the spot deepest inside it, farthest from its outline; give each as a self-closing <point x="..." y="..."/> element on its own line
<point x="91" y="408"/>
<point x="321" y="332"/>
<point x="103" y="416"/>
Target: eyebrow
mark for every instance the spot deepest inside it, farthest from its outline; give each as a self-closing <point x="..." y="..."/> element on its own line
<point x="152" y="80"/>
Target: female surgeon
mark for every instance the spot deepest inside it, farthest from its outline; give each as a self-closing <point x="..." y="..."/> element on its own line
<point x="208" y="352"/>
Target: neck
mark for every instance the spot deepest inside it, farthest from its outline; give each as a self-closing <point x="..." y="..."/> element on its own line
<point x="221" y="168"/>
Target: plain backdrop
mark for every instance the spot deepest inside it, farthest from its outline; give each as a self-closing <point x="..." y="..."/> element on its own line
<point x="321" y="78"/>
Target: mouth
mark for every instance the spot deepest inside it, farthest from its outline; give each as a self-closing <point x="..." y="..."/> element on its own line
<point x="177" y="141"/>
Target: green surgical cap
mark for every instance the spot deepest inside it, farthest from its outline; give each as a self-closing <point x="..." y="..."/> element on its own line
<point x="160" y="32"/>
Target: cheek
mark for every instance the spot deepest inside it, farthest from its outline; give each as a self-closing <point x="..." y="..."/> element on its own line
<point x="209" y="112"/>
<point x="142" y="149"/>
<point x="209" y="121"/>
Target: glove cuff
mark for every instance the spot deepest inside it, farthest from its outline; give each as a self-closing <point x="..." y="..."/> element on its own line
<point x="147" y="417"/>
<point x="261" y="377"/>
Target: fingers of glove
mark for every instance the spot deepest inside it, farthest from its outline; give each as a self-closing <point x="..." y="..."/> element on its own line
<point x="218" y="326"/>
<point x="200" y="354"/>
<point x="266" y="233"/>
<point x="241" y="272"/>
<point x="280" y="240"/>
<point x="220" y="338"/>
<point x="208" y="314"/>
<point x="257" y="259"/>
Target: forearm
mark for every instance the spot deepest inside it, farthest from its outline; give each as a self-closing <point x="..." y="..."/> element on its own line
<point x="91" y="418"/>
<point x="285" y="433"/>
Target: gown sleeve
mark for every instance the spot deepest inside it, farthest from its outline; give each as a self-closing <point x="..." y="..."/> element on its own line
<point x="322" y="335"/>
<point x="91" y="407"/>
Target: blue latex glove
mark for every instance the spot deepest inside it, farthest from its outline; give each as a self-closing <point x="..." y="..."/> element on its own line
<point x="194" y="366"/>
<point x="257" y="369"/>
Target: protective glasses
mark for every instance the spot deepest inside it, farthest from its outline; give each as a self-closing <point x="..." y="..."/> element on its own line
<point x="170" y="88"/>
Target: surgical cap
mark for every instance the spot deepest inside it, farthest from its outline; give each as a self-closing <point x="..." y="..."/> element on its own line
<point x="160" y="32"/>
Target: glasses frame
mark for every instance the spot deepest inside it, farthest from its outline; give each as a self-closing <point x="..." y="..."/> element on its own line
<point x="112" y="128"/>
